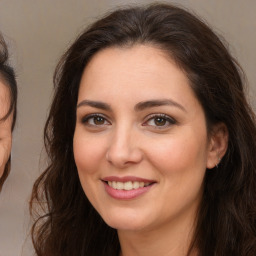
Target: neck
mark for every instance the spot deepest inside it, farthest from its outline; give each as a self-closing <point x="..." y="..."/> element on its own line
<point x="173" y="239"/>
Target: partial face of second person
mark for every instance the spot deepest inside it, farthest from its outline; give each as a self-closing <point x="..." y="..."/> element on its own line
<point x="140" y="145"/>
<point x="5" y="127"/>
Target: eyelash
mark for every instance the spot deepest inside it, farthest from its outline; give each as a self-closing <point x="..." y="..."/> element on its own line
<point x="87" y="118"/>
<point x="167" y="119"/>
<point x="164" y="117"/>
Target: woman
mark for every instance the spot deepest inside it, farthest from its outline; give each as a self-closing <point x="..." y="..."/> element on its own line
<point x="8" y="102"/>
<point x="151" y="143"/>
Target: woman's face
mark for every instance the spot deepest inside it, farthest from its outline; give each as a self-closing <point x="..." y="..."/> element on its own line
<point x="5" y="127"/>
<point x="140" y="143"/>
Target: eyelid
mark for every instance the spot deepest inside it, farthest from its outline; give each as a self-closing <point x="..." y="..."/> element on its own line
<point x="85" y="118"/>
<point x="169" y="119"/>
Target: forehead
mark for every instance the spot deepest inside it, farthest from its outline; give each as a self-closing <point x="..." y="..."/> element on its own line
<point x="141" y="71"/>
<point x="139" y="56"/>
<point x="140" y="64"/>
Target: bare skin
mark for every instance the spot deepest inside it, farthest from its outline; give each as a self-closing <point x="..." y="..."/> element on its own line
<point x="5" y="128"/>
<point x="138" y="118"/>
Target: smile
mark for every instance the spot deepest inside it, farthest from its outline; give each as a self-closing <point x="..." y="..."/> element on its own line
<point x="127" y="188"/>
<point x="129" y="185"/>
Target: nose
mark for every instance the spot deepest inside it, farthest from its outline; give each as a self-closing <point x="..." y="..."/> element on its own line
<point x="124" y="149"/>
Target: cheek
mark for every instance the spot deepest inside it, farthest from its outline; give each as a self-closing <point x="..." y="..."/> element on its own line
<point x="2" y="162"/>
<point x="179" y="154"/>
<point x="5" y="151"/>
<point x="87" y="153"/>
<point x="2" y="154"/>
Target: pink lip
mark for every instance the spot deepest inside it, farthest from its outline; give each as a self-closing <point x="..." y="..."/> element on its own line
<point x="126" y="194"/>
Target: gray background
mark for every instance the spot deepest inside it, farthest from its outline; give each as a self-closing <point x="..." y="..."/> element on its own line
<point x="38" y="31"/>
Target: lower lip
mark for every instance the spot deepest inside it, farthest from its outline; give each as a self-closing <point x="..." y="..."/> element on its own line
<point x="126" y="194"/>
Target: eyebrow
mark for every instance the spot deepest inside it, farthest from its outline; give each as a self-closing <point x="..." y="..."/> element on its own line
<point x="157" y="103"/>
<point x="138" y="107"/>
<point x="94" y="104"/>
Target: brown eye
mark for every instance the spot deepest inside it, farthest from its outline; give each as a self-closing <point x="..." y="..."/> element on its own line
<point x="159" y="121"/>
<point x="98" y="120"/>
<point x="95" y="120"/>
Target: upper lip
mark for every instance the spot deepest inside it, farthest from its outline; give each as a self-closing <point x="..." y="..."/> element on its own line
<point x="127" y="178"/>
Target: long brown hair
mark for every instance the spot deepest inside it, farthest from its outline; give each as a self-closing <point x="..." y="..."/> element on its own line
<point x="8" y="78"/>
<point x="226" y="224"/>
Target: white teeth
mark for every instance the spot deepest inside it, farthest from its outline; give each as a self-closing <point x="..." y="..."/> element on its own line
<point x="129" y="185"/>
<point x="119" y="185"/>
<point x="136" y="184"/>
<point x="114" y="185"/>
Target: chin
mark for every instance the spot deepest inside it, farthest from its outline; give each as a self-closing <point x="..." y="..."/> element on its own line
<point x="127" y="226"/>
<point x="123" y="221"/>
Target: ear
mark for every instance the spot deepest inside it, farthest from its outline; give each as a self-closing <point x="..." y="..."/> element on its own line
<point x="218" y="144"/>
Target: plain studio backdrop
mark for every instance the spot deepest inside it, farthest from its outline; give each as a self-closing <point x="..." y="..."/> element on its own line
<point x="38" y="32"/>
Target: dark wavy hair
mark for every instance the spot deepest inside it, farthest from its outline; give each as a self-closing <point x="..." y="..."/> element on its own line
<point x="65" y="221"/>
<point x="7" y="77"/>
